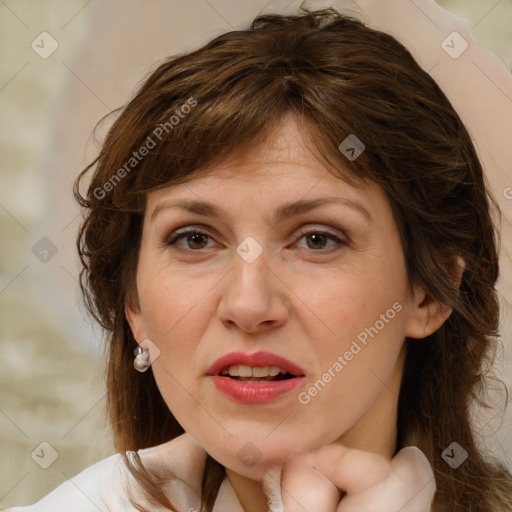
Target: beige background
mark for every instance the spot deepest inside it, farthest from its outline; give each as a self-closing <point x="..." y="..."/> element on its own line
<point x="51" y="381"/>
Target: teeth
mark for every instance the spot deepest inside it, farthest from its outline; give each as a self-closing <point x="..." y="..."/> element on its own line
<point x="274" y="370"/>
<point x="242" y="370"/>
<point x="260" y="371"/>
<point x="232" y="370"/>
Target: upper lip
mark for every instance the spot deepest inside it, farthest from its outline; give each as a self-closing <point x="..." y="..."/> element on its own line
<point x="260" y="358"/>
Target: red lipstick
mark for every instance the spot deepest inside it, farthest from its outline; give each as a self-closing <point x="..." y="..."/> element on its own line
<point x="254" y="392"/>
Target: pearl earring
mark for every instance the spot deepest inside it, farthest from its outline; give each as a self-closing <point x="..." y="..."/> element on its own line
<point x="141" y="362"/>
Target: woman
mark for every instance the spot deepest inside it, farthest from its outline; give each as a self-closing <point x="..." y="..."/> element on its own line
<point x="288" y="234"/>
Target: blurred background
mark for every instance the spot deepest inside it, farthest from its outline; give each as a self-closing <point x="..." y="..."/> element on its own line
<point x="67" y="63"/>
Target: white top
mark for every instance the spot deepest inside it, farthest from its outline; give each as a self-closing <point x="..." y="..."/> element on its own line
<point x="102" y="486"/>
<point x="105" y="486"/>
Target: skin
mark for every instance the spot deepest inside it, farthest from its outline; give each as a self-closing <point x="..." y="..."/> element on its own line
<point x="305" y="298"/>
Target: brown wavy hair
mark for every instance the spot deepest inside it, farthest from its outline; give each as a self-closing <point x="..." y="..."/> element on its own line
<point x="336" y="77"/>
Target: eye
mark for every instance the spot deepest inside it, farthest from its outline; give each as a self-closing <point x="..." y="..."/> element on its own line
<point x="318" y="240"/>
<point x="190" y="239"/>
<point x="195" y="240"/>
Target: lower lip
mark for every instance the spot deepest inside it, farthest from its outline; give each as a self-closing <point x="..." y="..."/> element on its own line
<point x="255" y="392"/>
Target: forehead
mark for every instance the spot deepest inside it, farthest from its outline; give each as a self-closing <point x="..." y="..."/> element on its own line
<point x="281" y="177"/>
<point x="285" y="160"/>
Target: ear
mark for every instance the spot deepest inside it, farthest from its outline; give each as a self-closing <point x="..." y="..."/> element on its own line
<point x="135" y="319"/>
<point x="429" y="313"/>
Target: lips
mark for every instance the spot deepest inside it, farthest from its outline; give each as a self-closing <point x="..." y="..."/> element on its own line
<point x="253" y="390"/>
<point x="256" y="359"/>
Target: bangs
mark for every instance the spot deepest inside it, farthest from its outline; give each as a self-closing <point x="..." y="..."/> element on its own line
<point x="192" y="123"/>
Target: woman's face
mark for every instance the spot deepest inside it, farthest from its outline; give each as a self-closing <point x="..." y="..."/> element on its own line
<point x="284" y="259"/>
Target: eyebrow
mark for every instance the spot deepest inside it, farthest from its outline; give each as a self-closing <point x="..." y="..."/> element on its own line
<point x="285" y="211"/>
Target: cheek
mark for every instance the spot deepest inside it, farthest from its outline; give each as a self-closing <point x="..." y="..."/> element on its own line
<point x="364" y="309"/>
<point x="173" y="304"/>
<point x="175" y="317"/>
<point x="351" y="375"/>
<point x="356" y="301"/>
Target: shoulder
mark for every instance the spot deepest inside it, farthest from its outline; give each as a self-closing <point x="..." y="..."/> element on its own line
<point x="181" y="461"/>
<point x="104" y="485"/>
<point x="86" y="492"/>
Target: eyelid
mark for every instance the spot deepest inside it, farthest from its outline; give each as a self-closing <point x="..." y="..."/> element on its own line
<point x="343" y="238"/>
<point x="180" y="233"/>
<point x="336" y="241"/>
<point x="187" y="230"/>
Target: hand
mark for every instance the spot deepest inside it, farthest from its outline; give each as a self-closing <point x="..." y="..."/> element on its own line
<point x="338" y="479"/>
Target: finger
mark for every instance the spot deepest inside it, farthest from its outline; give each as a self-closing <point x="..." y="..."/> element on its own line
<point x="409" y="487"/>
<point x="412" y="465"/>
<point x="303" y="489"/>
<point x="387" y="496"/>
<point x="352" y="471"/>
<point x="413" y="468"/>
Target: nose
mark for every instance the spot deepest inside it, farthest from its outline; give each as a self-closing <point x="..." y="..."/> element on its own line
<point x="254" y="298"/>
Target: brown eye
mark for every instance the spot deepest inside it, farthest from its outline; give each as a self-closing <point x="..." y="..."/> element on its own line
<point x="319" y="240"/>
<point x="197" y="240"/>
<point x="191" y="240"/>
<point x="316" y="241"/>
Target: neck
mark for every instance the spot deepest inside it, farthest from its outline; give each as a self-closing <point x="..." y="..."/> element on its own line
<point x="249" y="492"/>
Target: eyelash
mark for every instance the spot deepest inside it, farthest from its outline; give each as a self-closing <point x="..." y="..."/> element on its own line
<point x="179" y="235"/>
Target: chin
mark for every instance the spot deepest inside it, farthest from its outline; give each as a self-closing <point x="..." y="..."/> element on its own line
<point x="251" y="469"/>
<point x="253" y="459"/>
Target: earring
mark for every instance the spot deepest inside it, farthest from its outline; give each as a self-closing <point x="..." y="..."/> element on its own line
<point x="141" y="362"/>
